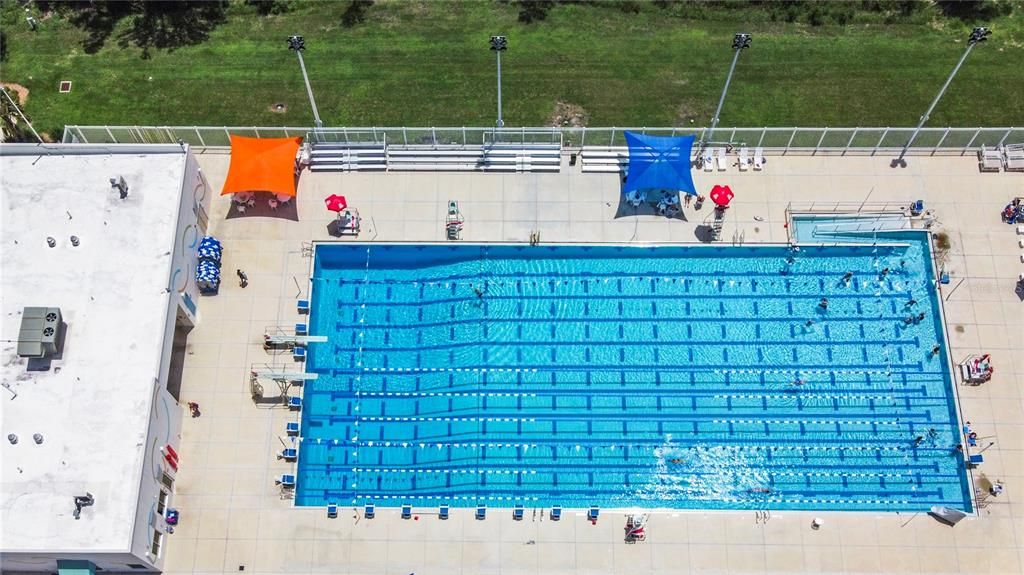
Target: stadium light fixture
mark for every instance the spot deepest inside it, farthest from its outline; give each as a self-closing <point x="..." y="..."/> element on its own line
<point x="739" y="42"/>
<point x="978" y="35"/>
<point x="298" y="44"/>
<point x="499" y="44"/>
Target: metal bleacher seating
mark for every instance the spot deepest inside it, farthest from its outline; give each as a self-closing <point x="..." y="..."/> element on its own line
<point x="347" y="157"/>
<point x="490" y="158"/>
<point x="604" y="159"/>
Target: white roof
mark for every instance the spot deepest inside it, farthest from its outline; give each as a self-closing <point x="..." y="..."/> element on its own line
<point x="92" y="406"/>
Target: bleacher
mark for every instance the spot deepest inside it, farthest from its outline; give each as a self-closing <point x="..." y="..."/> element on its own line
<point x="604" y="159"/>
<point x="492" y="158"/>
<point x="347" y="157"/>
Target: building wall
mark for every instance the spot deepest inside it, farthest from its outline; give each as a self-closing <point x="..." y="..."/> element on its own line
<point x="15" y="564"/>
<point x="165" y="412"/>
<point x="164" y="429"/>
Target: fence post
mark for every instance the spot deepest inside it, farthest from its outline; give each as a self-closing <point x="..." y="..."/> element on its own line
<point x="761" y="139"/>
<point x="228" y="134"/>
<point x="405" y="136"/>
<point x="885" y="132"/>
<point x="790" y="142"/>
<point x="942" y="139"/>
<point x="820" y="140"/>
<point x="850" y="141"/>
<point x="1006" y="135"/>
<point x="611" y="142"/>
<point x="113" y="140"/>
<point x="200" y="136"/>
<point x="433" y="135"/>
<point x="463" y="136"/>
<point x="969" y="144"/>
<point x="732" y="136"/>
<point x="170" y="135"/>
<point x="583" y="136"/>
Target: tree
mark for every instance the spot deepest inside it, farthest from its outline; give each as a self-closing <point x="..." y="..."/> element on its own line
<point x="12" y="127"/>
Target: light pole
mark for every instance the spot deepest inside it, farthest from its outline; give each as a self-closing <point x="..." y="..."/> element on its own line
<point x="298" y="43"/>
<point x="499" y="44"/>
<point x="739" y="42"/>
<point x="979" y="34"/>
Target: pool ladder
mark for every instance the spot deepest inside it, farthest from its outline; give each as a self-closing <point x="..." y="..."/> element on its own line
<point x="762" y="516"/>
<point x="738" y="237"/>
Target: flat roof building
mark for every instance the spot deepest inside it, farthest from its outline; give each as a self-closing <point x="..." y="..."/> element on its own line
<point x="89" y="429"/>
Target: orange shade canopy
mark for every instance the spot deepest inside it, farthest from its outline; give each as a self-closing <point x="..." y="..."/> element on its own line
<point x="262" y="165"/>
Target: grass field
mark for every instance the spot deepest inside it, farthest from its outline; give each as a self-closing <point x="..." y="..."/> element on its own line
<point x="428" y="63"/>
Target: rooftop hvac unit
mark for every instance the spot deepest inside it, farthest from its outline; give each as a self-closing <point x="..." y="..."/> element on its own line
<point x="41" y="332"/>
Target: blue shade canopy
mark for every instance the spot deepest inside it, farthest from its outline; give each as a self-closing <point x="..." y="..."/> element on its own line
<point x="659" y="163"/>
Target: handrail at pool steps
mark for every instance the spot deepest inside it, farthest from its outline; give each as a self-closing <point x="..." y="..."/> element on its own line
<point x="882" y="211"/>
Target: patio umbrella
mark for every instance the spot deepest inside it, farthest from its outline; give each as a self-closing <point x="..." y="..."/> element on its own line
<point x="335" y="203"/>
<point x="721" y="195"/>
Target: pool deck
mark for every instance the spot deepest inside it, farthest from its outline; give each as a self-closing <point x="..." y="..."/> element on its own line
<point x="233" y="515"/>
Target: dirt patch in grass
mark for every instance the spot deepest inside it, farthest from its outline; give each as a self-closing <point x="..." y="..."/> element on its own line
<point x="688" y="114"/>
<point x="278" y="108"/>
<point x="18" y="89"/>
<point x="567" y="114"/>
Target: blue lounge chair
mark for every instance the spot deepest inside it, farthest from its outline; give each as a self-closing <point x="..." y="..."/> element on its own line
<point x="300" y="329"/>
<point x="287" y="481"/>
<point x="299" y="353"/>
<point x="289" y="454"/>
<point x="332" y="510"/>
<point x="481" y="511"/>
<point x="407" y="511"/>
<point x="556" y="512"/>
<point x="975" y="460"/>
<point x="368" y="511"/>
<point x="442" y="512"/>
<point x="294" y="402"/>
<point x="517" y="513"/>
<point x="291" y="428"/>
<point x="302" y="305"/>
<point x="593" y="513"/>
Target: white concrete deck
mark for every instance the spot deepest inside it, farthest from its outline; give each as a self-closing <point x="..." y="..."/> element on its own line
<point x="92" y="406"/>
<point x="233" y="515"/>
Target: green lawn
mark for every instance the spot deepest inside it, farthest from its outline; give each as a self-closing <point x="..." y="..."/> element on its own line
<point x="427" y="63"/>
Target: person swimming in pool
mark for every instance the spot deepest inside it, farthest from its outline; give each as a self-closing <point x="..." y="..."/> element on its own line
<point x="823" y="304"/>
<point x="910" y="303"/>
<point x="847" y="277"/>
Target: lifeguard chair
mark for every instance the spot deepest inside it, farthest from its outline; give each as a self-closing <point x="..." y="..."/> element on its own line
<point x="453" y="221"/>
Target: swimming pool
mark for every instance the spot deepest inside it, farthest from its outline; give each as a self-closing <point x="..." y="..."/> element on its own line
<point x="660" y="377"/>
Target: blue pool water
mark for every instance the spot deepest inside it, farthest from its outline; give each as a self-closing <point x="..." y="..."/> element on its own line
<point x="656" y="377"/>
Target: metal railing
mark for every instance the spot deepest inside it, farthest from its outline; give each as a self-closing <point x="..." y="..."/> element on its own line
<point x="796" y="140"/>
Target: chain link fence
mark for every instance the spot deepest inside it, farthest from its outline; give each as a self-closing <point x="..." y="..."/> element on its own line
<point x="774" y="140"/>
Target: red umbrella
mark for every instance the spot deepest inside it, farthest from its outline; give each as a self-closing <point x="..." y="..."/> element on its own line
<point x="721" y="195"/>
<point x="335" y="203"/>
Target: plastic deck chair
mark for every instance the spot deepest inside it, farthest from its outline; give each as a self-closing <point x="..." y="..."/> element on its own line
<point x="442" y="512"/>
<point x="300" y="329"/>
<point x="302" y="306"/>
<point x="406" y="511"/>
<point x="287" y="481"/>
<point x="517" y="513"/>
<point x="291" y="428"/>
<point x="481" y="511"/>
<point x="593" y="513"/>
<point x="975" y="460"/>
<point x="294" y="402"/>
<point x="556" y="512"/>
<point x="332" y="510"/>
<point x="368" y="511"/>
<point x="289" y="454"/>
<point x="299" y="353"/>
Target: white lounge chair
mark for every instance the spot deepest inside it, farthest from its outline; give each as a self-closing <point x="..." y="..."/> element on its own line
<point x="759" y="158"/>
<point x="744" y="159"/>
<point x="721" y="160"/>
<point x="709" y="159"/>
<point x="990" y="160"/>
